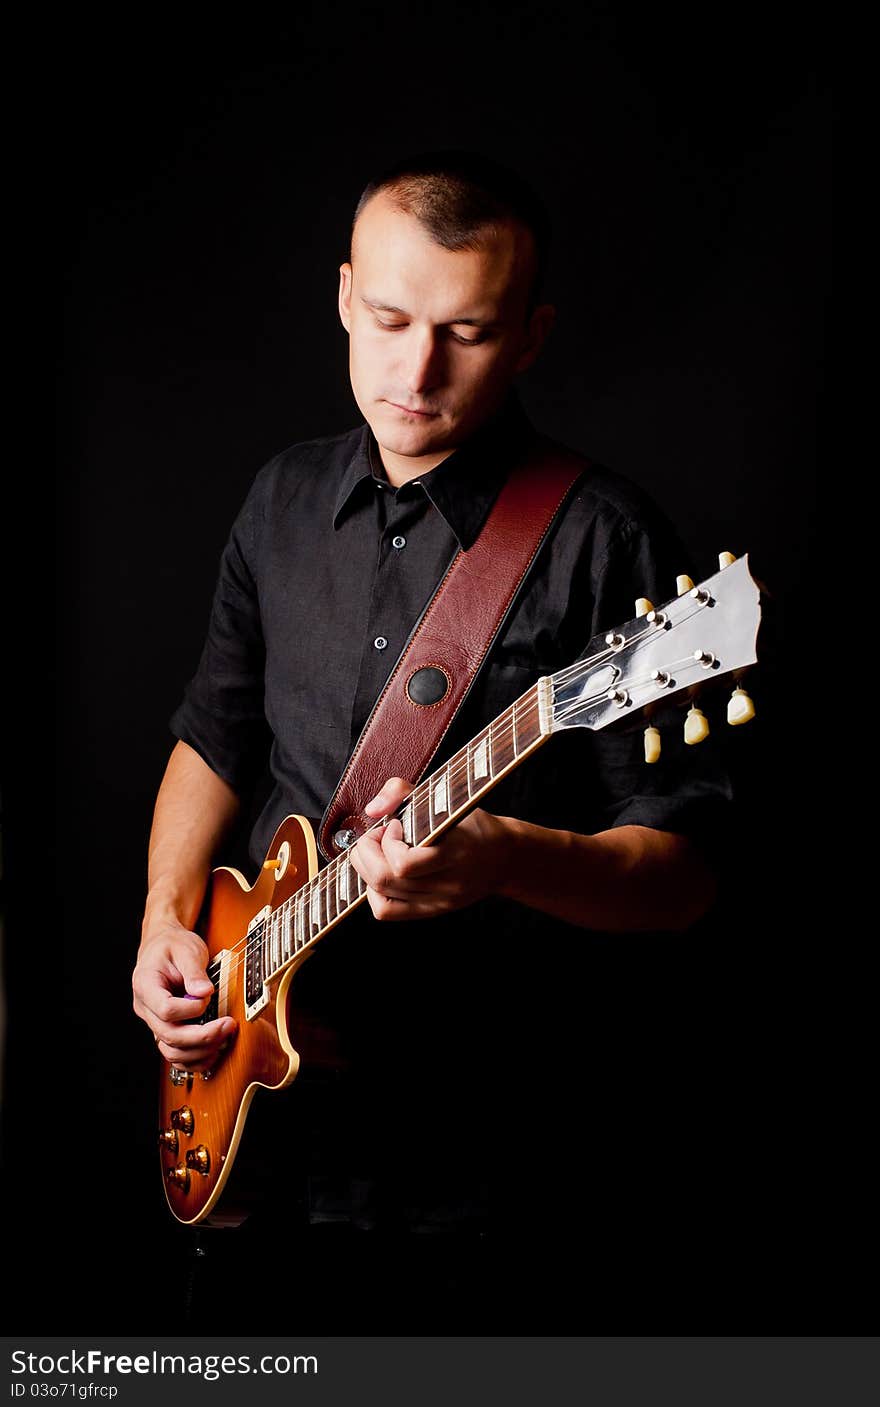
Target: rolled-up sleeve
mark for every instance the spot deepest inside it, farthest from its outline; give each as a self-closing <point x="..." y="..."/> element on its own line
<point x="689" y="790"/>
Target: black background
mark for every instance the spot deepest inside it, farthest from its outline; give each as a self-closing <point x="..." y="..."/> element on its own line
<point x="196" y="190"/>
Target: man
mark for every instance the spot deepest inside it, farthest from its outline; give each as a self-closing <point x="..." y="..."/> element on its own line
<point x="340" y="544"/>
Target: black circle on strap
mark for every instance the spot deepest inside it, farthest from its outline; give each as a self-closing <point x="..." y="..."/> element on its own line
<point x="427" y="686"/>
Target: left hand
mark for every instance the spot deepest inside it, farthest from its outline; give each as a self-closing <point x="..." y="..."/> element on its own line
<point x="467" y="862"/>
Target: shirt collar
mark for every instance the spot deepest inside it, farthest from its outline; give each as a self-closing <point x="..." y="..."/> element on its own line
<point x="464" y="485"/>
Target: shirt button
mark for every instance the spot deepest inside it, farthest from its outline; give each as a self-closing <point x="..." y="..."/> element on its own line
<point x="398" y="542"/>
<point x="380" y="642"/>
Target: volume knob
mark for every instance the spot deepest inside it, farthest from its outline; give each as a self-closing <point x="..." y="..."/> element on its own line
<point x="168" y="1140"/>
<point x="199" y="1158"/>
<point x="183" y="1119"/>
<point x="179" y="1177"/>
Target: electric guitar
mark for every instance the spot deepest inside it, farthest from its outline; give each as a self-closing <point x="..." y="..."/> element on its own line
<point x="258" y="936"/>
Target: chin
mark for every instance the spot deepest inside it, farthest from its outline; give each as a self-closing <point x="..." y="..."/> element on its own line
<point x="409" y="438"/>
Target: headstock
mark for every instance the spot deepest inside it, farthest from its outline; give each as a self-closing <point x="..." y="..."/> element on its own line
<point x="698" y="636"/>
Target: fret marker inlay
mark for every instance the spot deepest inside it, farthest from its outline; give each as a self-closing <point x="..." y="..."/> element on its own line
<point x="481" y="759"/>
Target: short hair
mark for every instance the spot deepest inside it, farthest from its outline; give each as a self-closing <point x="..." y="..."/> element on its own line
<point x="455" y="193"/>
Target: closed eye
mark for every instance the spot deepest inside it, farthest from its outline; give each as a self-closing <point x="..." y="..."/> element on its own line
<point x="398" y="326"/>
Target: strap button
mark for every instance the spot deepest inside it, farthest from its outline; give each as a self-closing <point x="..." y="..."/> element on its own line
<point x="380" y="642"/>
<point x="398" y="542"/>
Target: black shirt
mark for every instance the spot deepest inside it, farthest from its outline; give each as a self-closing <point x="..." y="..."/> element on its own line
<point x="455" y="1029"/>
<point x="326" y="571"/>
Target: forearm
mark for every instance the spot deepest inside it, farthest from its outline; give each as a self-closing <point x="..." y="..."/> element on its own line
<point x="626" y="879"/>
<point x="194" y="810"/>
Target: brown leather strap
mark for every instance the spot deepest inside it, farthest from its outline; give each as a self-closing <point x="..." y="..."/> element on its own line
<point x="440" y="661"/>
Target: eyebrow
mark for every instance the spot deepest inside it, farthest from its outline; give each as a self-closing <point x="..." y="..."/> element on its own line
<point x="453" y="322"/>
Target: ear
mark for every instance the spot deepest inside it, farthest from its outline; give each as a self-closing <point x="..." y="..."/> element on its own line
<point x="345" y="295"/>
<point x="540" y="323"/>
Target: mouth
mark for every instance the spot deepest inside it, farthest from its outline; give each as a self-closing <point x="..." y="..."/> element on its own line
<point x="408" y="410"/>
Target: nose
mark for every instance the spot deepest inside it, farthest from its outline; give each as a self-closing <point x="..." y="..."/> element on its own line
<point x="422" y="370"/>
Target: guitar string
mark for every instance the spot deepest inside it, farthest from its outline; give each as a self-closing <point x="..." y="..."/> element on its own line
<point x="318" y="888"/>
<point x="315" y="892"/>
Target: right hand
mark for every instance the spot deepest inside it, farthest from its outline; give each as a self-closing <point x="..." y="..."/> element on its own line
<point x="171" y="990"/>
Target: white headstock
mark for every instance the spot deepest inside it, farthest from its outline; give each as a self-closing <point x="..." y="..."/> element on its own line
<point x="705" y="632"/>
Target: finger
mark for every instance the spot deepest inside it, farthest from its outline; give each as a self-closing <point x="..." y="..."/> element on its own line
<point x="189" y="1041"/>
<point x="159" y="1000"/>
<point x="193" y="976"/>
<point x="389" y="909"/>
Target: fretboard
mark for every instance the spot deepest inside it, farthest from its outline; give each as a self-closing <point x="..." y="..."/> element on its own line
<point x="434" y="804"/>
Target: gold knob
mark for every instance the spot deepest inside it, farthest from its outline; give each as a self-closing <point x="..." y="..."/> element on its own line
<point x="183" y="1118"/>
<point x="168" y="1140"/>
<point x="179" y="1177"/>
<point x="739" y="708"/>
<point x="725" y="559"/>
<point x="652" y="744"/>
<point x="696" y="726"/>
<point x="200" y="1159"/>
<point x="683" y="584"/>
<point x="643" y="606"/>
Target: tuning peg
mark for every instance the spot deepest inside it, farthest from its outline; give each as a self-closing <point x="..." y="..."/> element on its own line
<point x="739" y="707"/>
<point x="643" y="606"/>
<point x="652" y="744"/>
<point x="683" y="584"/>
<point x="696" y="726"/>
<point x="725" y="559"/>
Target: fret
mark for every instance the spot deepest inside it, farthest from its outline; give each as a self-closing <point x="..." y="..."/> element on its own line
<point x="329" y="887"/>
<point x="300" y="917"/>
<point x="264" y="946"/>
<point x="513" y="728"/>
<point x="528" y="720"/>
<point x="501" y="743"/>
<point x="361" y="883"/>
<point x="459" y="781"/>
<point x="315" y="905"/>
<point x="285" y="931"/>
<point x="406" y="820"/>
<point x="469" y="769"/>
<point x="440" y="797"/>
<point x="421" y="815"/>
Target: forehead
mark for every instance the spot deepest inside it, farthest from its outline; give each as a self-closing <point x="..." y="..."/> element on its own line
<point x="393" y="252"/>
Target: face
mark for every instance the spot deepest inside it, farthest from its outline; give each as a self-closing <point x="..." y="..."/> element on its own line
<point x="435" y="335"/>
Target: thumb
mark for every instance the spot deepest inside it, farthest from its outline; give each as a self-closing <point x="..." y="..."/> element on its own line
<point x="393" y="794"/>
<point x="197" y="983"/>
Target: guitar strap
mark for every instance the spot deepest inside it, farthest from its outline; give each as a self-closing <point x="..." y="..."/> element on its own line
<point x="441" y="659"/>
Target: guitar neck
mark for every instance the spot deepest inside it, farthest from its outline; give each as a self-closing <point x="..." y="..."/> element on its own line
<point x="433" y="806"/>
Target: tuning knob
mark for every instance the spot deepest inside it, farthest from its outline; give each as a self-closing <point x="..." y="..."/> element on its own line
<point x="179" y="1177"/>
<point x="199" y="1158"/>
<point x="652" y="744"/>
<point x="696" y="726"/>
<point x="683" y="584"/>
<point x="725" y="559"/>
<point x="168" y="1140"/>
<point x="643" y="606"/>
<point x="183" y="1118"/>
<point x="740" y="708"/>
